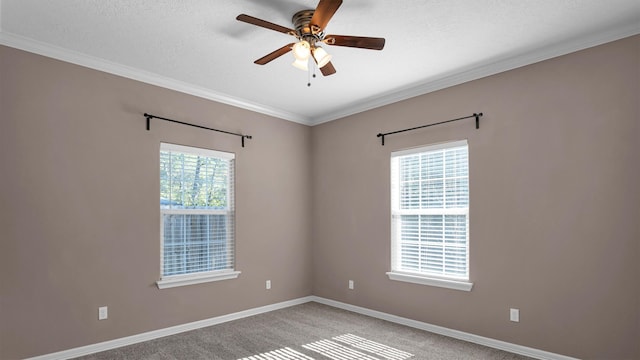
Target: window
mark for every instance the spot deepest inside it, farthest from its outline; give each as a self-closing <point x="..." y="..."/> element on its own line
<point x="197" y="215"/>
<point x="430" y="215"/>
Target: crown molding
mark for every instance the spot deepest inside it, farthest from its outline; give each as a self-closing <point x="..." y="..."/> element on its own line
<point x="430" y="85"/>
<point x="464" y="75"/>
<point x="70" y="56"/>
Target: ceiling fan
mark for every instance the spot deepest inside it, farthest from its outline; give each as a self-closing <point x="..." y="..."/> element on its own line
<point x="309" y="30"/>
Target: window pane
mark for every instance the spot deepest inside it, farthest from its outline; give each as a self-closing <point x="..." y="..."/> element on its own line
<point x="457" y="193"/>
<point x="432" y="228"/>
<point x="410" y="195"/>
<point x="432" y="191"/>
<point x="194" y="243"/>
<point x="410" y="227"/>
<point x="189" y="181"/>
<point x="455" y="261"/>
<point x="457" y="162"/>
<point x="433" y="257"/>
<point x="409" y="257"/>
<point x="432" y="166"/>
<point x="455" y="229"/>
<point x="410" y="168"/>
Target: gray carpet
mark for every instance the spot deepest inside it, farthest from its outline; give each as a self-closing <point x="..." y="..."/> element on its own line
<point x="307" y="331"/>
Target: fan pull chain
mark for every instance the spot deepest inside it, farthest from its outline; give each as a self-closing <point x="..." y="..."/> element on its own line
<point x="309" y="74"/>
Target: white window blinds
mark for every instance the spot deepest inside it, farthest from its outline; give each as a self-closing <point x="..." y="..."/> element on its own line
<point x="430" y="210"/>
<point x="197" y="210"/>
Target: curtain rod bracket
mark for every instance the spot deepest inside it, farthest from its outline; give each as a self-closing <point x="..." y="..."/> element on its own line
<point x="477" y="119"/>
<point x="149" y="117"/>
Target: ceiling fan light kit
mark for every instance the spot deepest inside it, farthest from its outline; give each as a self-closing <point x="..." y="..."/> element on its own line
<point x="301" y="50"/>
<point x="309" y="31"/>
<point x="321" y="57"/>
<point x="302" y="64"/>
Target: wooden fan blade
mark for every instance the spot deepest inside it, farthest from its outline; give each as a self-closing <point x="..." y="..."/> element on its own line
<point x="324" y="12"/>
<point x="263" y="23"/>
<point x="328" y="69"/>
<point x="274" y="55"/>
<point x="355" y="41"/>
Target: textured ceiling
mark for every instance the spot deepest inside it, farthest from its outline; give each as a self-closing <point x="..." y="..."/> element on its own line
<point x="198" y="47"/>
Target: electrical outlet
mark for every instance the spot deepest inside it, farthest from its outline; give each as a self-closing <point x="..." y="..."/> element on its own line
<point x="268" y="284"/>
<point x="103" y="313"/>
<point x="514" y="315"/>
<point x="351" y="284"/>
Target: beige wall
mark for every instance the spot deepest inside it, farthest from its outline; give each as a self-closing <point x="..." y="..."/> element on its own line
<point x="554" y="205"/>
<point x="79" y="206"/>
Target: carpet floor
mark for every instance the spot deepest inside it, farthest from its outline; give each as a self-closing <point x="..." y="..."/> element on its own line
<point x="308" y="331"/>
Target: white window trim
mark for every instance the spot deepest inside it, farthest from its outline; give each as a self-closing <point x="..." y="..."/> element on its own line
<point x="431" y="281"/>
<point x="422" y="278"/>
<point x="438" y="146"/>
<point x="167" y="282"/>
<point x="196" y="150"/>
<point x="191" y="279"/>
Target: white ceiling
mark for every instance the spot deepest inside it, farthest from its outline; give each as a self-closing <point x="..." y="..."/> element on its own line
<point x="197" y="46"/>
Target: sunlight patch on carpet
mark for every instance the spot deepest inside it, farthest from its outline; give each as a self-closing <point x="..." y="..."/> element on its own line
<point x="373" y="347"/>
<point x="335" y="351"/>
<point x="284" y="353"/>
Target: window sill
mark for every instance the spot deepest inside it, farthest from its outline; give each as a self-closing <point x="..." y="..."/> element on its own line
<point x="424" y="280"/>
<point x="182" y="280"/>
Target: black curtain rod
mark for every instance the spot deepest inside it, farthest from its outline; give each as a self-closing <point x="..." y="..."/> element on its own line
<point x="149" y="117"/>
<point x="475" y="115"/>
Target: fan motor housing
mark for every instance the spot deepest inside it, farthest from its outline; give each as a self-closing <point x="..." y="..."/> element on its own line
<point x="304" y="29"/>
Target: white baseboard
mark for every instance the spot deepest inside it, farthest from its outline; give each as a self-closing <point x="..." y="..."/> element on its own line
<point x="152" y="335"/>
<point x="460" y="335"/>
